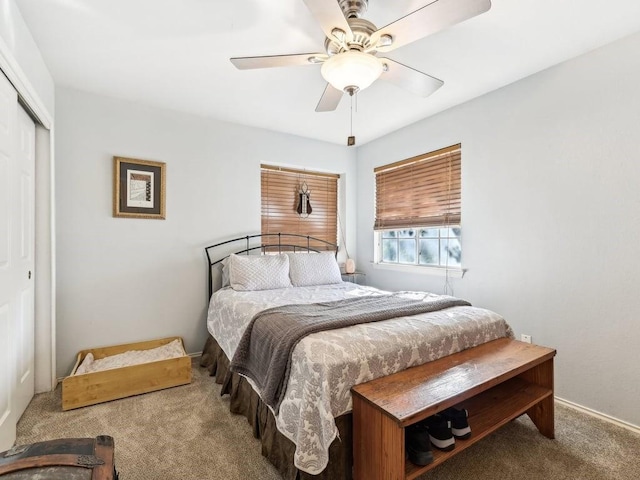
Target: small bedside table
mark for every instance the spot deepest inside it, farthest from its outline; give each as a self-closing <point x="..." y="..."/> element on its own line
<point x="358" y="278"/>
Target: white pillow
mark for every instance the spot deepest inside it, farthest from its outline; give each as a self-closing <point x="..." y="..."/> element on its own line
<point x="85" y="366"/>
<point x="313" y="269"/>
<point x="258" y="272"/>
<point x="225" y="272"/>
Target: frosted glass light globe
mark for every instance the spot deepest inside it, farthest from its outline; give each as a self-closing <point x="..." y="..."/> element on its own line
<point x="351" y="69"/>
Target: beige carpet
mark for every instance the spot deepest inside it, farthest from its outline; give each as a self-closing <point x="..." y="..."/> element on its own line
<point x="187" y="433"/>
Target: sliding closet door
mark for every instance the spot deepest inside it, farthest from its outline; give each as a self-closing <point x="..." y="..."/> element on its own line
<point x="25" y="285"/>
<point x="8" y="113"/>
<point x="17" y="133"/>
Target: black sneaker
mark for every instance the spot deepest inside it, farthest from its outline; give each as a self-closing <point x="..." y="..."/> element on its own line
<point x="440" y="435"/>
<point x="459" y="423"/>
<point x="417" y="445"/>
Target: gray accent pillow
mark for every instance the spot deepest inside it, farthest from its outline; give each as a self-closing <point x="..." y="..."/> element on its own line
<point x="307" y="269"/>
<point x="258" y="272"/>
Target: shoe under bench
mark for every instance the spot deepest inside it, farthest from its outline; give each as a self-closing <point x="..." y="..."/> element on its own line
<point x="496" y="382"/>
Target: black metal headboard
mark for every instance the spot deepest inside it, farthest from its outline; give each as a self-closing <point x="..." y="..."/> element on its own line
<point x="285" y="243"/>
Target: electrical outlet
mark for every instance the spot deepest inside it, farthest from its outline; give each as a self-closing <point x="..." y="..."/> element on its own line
<point x="525" y="338"/>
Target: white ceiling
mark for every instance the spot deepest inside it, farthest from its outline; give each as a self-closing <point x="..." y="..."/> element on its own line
<point x="175" y="54"/>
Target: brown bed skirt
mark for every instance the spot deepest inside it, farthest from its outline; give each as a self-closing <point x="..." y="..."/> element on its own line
<point x="276" y="447"/>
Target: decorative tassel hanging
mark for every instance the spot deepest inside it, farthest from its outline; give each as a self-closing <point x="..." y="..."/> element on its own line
<point x="304" y="204"/>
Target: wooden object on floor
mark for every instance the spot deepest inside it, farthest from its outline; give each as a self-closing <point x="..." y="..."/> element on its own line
<point x="97" y="387"/>
<point x="62" y="459"/>
<point x="496" y="382"/>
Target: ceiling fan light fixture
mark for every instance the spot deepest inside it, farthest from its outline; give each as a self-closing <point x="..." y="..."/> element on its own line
<point x="351" y="69"/>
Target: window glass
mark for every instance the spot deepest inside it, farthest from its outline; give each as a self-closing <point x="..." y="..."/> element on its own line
<point x="407" y="251"/>
<point x="429" y="252"/>
<point x="429" y="232"/>
<point x="438" y="246"/>
<point x="389" y="251"/>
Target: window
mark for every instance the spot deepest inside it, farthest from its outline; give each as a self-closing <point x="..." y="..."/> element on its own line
<point x="418" y="210"/>
<point x="280" y="188"/>
<point x="436" y="247"/>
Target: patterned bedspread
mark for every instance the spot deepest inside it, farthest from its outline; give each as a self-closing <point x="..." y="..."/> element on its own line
<point x="325" y="365"/>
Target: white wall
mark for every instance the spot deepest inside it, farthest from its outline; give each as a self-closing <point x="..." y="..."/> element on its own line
<point x="550" y="216"/>
<point x="122" y="280"/>
<point x="19" y="48"/>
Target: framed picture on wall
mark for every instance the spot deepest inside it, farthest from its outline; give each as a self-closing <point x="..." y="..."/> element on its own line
<point x="138" y="188"/>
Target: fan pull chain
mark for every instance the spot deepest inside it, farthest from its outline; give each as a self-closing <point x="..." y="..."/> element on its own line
<point x="351" y="140"/>
<point x="351" y="120"/>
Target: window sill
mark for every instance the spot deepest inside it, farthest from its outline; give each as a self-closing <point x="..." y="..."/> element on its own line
<point x="436" y="271"/>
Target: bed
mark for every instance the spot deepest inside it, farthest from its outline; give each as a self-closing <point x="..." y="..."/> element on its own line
<point x="306" y="431"/>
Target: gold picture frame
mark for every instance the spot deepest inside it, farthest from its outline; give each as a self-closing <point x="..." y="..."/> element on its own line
<point x="138" y="188"/>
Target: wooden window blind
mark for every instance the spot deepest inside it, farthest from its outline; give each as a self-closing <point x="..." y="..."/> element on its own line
<point x="422" y="191"/>
<point x="280" y="187"/>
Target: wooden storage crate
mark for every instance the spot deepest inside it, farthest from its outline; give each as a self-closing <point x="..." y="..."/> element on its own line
<point x="97" y="387"/>
<point x="64" y="458"/>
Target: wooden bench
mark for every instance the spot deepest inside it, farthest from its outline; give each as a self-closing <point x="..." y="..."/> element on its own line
<point x="496" y="382"/>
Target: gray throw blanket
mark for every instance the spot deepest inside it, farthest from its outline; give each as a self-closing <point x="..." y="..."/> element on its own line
<point x="264" y="352"/>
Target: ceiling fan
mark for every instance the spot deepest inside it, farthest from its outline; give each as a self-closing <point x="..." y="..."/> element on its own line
<point x="351" y="62"/>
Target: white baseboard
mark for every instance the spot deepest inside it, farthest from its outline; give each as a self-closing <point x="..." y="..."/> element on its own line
<point x="601" y="416"/>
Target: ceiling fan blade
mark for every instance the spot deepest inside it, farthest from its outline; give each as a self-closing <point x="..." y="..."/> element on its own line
<point x="427" y="20"/>
<point x="329" y="100"/>
<point x="269" y="61"/>
<point x="329" y="15"/>
<point x="410" y="78"/>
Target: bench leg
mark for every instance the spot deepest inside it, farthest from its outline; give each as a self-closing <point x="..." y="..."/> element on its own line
<point x="378" y="444"/>
<point x="542" y="414"/>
